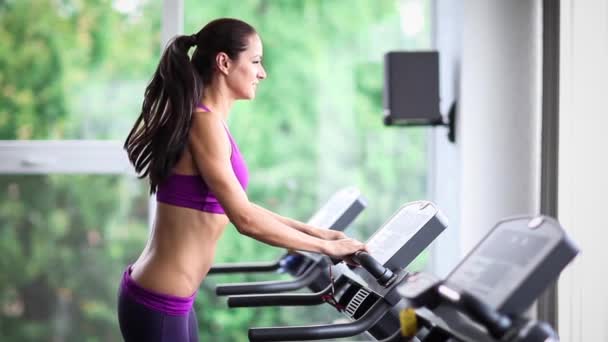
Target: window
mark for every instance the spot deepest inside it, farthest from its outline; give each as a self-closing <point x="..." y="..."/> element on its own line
<point x="316" y="126"/>
<point x="72" y="75"/>
<point x="65" y="240"/>
<point x="75" y="69"/>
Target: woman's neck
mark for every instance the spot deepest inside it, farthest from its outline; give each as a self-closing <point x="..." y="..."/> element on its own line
<point x="217" y="100"/>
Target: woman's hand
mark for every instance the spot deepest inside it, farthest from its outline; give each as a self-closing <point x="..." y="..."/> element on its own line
<point x="328" y="234"/>
<point x="344" y="249"/>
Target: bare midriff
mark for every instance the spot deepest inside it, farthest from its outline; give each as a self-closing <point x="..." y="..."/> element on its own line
<point x="180" y="250"/>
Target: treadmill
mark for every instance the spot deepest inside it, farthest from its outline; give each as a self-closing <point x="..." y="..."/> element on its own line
<point x="366" y="294"/>
<point x="337" y="213"/>
<point x="485" y="297"/>
<point x="482" y="300"/>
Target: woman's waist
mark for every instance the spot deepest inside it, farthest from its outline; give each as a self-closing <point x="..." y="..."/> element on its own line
<point x="178" y="257"/>
<point x="179" y="273"/>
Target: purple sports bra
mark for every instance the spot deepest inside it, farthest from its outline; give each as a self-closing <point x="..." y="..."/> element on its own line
<point x="191" y="191"/>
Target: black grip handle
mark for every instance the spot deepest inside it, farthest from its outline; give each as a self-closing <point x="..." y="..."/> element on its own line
<point x="382" y="274"/>
<point x="269" y="286"/>
<point x="252" y="267"/>
<point x="537" y="331"/>
<point x="298" y="299"/>
<point x="496" y="323"/>
<point x="321" y="332"/>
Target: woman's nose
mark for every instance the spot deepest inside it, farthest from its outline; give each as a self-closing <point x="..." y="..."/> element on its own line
<point x="262" y="74"/>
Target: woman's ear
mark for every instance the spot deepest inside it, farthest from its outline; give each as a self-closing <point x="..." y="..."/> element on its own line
<point x="222" y="61"/>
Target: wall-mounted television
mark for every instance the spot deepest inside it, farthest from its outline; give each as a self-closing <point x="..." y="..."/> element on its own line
<point x="411" y="88"/>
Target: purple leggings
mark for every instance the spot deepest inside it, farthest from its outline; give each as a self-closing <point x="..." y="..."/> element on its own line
<point x="152" y="317"/>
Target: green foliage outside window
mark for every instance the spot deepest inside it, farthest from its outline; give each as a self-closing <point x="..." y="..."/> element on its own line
<point x="77" y="69"/>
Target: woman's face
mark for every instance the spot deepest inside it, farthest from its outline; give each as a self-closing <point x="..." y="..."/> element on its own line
<point x="246" y="70"/>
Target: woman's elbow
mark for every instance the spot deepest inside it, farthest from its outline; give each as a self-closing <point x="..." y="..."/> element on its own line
<point x="241" y="215"/>
<point x="243" y="222"/>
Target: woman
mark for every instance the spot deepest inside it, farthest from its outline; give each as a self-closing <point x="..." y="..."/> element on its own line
<point x="182" y="143"/>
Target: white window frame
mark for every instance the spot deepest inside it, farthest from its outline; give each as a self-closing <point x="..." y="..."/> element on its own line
<point x="63" y="157"/>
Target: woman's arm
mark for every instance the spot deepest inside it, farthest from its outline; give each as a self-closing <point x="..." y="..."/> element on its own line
<point x="210" y="148"/>
<point x="325" y="234"/>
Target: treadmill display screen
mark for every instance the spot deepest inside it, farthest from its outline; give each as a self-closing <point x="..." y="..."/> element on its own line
<point x="513" y="247"/>
<point x="335" y="207"/>
<point x="386" y="242"/>
<point x="500" y="264"/>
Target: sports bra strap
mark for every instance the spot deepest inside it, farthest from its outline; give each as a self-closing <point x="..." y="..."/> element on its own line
<point x="203" y="107"/>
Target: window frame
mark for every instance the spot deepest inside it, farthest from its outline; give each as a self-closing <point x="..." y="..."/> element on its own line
<point x="81" y="156"/>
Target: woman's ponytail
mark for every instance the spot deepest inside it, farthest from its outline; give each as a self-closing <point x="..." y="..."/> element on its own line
<point x="160" y="133"/>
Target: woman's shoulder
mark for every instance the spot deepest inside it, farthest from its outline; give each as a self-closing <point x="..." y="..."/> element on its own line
<point x="207" y="135"/>
<point x="207" y="125"/>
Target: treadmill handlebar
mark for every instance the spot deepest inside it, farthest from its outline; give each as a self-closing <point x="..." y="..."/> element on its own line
<point x="269" y="286"/>
<point x="383" y="275"/>
<point x="422" y="290"/>
<point x="322" y="332"/>
<point x="537" y="331"/>
<point x="292" y="299"/>
<point x="252" y="267"/>
<point x="495" y="322"/>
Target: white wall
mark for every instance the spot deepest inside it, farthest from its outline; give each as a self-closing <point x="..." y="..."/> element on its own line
<point x="498" y="131"/>
<point x="173" y="21"/>
<point x="583" y="167"/>
<point x="444" y="161"/>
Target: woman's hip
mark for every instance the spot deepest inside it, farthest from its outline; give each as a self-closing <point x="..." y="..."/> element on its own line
<point x="145" y="315"/>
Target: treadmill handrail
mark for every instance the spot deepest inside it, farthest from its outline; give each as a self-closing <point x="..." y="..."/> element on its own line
<point x="382" y="274"/>
<point x="292" y="299"/>
<point x="245" y="267"/>
<point x="322" y="332"/>
<point x="495" y="322"/>
<point x="269" y="286"/>
<point x="395" y="337"/>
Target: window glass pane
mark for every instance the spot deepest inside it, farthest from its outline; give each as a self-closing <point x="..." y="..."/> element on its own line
<point x="75" y="69"/>
<point x="65" y="240"/>
<point x="316" y="126"/>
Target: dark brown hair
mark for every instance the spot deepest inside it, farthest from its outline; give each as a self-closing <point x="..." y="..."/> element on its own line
<point x="160" y="134"/>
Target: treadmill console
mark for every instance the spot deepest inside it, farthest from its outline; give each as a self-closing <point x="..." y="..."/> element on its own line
<point x="510" y="267"/>
<point x="406" y="234"/>
<point x="400" y="240"/>
<point x="340" y="210"/>
<point x="337" y="213"/>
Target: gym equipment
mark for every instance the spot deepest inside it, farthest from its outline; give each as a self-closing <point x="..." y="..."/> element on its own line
<point x="365" y="294"/>
<point x="337" y="214"/>
<point x="485" y="297"/>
